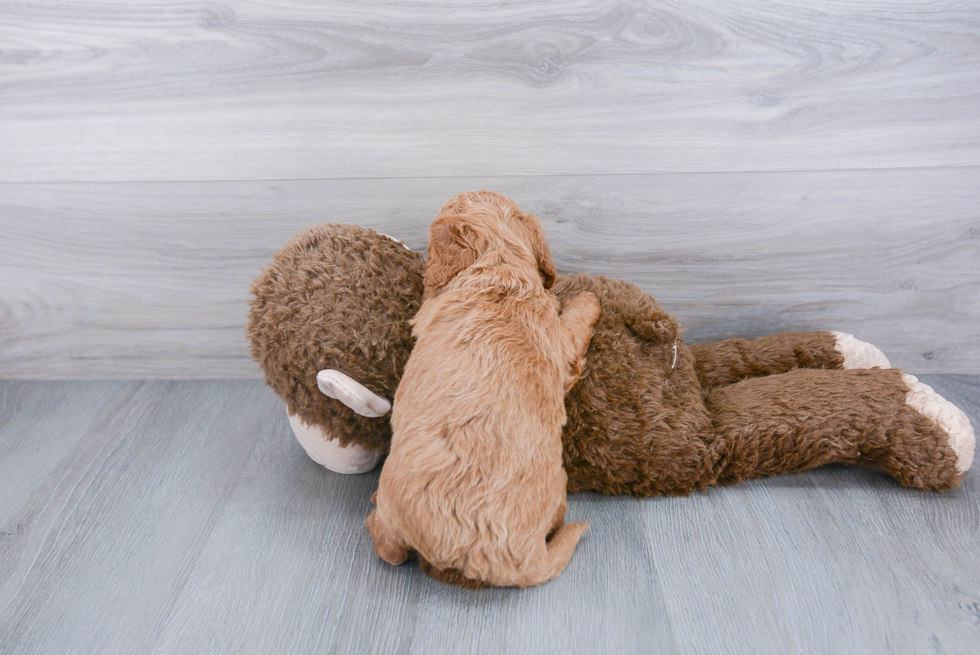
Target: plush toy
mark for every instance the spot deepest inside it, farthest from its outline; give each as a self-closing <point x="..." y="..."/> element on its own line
<point x="329" y="325"/>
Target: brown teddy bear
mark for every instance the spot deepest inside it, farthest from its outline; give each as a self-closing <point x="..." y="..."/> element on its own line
<point x="329" y="325"/>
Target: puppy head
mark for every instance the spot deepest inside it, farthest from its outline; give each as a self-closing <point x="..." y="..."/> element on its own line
<point x="475" y="222"/>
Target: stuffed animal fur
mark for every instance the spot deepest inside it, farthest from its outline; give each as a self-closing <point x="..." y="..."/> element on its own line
<point x="329" y="326"/>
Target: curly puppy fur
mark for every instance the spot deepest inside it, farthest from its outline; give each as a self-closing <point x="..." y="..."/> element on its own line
<point x="340" y="298"/>
<point x="474" y="480"/>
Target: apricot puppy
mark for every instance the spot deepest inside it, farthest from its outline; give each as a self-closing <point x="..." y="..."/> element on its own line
<point x="474" y="479"/>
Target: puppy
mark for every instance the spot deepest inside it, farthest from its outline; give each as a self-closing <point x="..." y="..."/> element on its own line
<point x="474" y="479"/>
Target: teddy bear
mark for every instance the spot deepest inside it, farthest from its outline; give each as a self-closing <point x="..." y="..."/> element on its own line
<point x="651" y="415"/>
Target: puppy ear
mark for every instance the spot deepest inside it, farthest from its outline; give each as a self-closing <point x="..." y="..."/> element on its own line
<point x="451" y="249"/>
<point x="542" y="253"/>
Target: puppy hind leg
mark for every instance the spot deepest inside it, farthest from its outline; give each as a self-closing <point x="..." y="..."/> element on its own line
<point x="387" y="544"/>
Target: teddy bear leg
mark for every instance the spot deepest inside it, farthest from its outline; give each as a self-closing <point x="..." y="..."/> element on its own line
<point x="806" y="418"/>
<point x="327" y="452"/>
<point x="731" y="360"/>
<point x="949" y="418"/>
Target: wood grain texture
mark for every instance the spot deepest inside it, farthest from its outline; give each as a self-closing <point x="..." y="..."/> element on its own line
<point x="173" y="517"/>
<point x="150" y="280"/>
<point x="231" y="90"/>
<point x="122" y="517"/>
<point x="38" y="431"/>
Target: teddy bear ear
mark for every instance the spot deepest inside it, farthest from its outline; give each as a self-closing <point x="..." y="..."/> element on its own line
<point x="352" y="393"/>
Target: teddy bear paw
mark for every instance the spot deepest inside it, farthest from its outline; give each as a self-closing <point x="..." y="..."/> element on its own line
<point x="859" y="354"/>
<point x="922" y="398"/>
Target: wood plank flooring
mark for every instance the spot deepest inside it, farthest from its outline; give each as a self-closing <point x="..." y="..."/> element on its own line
<point x="176" y="517"/>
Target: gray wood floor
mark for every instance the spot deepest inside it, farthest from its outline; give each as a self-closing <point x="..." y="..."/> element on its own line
<point x="181" y="517"/>
<point x="756" y="166"/>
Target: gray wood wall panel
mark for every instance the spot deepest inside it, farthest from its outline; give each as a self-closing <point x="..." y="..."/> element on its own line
<point x="150" y="280"/>
<point x="233" y="90"/>
<point x="182" y="517"/>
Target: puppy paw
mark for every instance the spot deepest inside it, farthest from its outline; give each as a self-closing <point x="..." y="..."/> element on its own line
<point x="580" y="315"/>
<point x="859" y="354"/>
<point x="586" y="306"/>
<point x="948" y="416"/>
<point x="387" y="544"/>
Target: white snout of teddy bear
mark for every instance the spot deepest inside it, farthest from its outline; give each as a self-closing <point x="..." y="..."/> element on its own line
<point x="327" y="452"/>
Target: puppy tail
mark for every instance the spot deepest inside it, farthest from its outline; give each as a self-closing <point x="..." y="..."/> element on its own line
<point x="559" y="552"/>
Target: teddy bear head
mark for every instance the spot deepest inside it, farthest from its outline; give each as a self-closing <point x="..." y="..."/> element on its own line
<point x="329" y="326"/>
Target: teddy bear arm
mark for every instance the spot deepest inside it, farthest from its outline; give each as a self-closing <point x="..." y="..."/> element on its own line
<point x="731" y="360"/>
